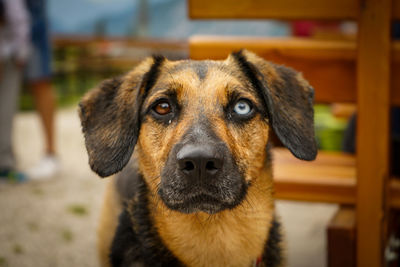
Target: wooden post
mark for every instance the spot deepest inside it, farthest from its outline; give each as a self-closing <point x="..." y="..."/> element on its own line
<point x="373" y="130"/>
<point x="341" y="232"/>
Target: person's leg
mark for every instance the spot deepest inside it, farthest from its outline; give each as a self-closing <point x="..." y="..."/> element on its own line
<point x="39" y="77"/>
<point x="10" y="83"/>
<point x="44" y="99"/>
<point x="45" y="105"/>
<point x="9" y="89"/>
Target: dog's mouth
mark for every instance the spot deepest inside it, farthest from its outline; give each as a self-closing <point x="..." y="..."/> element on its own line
<point x="201" y="200"/>
<point x="197" y="203"/>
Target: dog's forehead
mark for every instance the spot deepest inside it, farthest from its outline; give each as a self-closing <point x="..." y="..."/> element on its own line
<point x="205" y="79"/>
<point x="199" y="67"/>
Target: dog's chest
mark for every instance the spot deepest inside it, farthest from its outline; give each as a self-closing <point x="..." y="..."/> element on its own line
<point x="224" y="240"/>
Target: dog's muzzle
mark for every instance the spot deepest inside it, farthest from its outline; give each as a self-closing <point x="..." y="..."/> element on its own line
<point x="201" y="175"/>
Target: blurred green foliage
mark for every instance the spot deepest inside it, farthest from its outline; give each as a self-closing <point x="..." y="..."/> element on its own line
<point x="76" y="69"/>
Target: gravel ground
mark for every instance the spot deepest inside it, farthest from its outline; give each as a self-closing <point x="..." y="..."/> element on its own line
<point x="53" y="222"/>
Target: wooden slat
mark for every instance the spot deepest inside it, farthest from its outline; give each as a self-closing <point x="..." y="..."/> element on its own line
<point x="330" y="178"/>
<point x="373" y="101"/>
<point x="283" y="9"/>
<point x="328" y="65"/>
<point x="218" y="47"/>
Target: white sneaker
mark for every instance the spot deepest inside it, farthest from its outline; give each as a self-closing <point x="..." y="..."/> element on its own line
<point x="45" y="169"/>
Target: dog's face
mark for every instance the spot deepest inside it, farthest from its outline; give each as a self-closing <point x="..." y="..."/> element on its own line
<point x="200" y="127"/>
<point x="201" y="133"/>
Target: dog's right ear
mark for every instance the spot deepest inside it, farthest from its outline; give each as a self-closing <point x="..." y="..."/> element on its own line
<point x="110" y="117"/>
<point x="288" y="99"/>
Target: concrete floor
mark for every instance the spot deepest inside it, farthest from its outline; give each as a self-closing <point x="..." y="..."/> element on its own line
<point x="53" y="223"/>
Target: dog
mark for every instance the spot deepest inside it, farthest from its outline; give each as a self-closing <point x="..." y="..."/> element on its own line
<point x="191" y="142"/>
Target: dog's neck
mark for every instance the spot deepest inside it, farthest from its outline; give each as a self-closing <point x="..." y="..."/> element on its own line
<point x="231" y="236"/>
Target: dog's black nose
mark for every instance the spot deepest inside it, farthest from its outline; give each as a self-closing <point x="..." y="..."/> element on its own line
<point x="199" y="161"/>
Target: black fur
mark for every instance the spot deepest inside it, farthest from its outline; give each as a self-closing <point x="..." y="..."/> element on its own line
<point x="273" y="248"/>
<point x="99" y="114"/>
<point x="125" y="246"/>
<point x="150" y="78"/>
<point x="284" y="100"/>
<point x="109" y="154"/>
<point x="136" y="240"/>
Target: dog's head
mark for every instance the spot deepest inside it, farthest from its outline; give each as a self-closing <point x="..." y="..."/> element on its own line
<point x="200" y="128"/>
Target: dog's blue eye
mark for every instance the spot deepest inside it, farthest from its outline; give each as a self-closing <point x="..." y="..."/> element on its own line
<point x="242" y="107"/>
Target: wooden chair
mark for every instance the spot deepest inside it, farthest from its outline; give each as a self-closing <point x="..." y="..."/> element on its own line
<point x="362" y="71"/>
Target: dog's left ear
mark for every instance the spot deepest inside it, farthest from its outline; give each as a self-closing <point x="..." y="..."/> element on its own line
<point x="289" y="102"/>
<point x="110" y="117"/>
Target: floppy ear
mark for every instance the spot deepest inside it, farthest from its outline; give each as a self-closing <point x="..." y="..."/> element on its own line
<point x="289" y="102"/>
<point x="110" y="117"/>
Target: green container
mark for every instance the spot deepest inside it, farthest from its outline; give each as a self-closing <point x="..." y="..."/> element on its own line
<point x="329" y="130"/>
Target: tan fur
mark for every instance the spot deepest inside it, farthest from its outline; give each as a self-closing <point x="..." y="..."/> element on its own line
<point x="152" y="160"/>
<point x="108" y="222"/>
<point x="245" y="143"/>
<point x="230" y="238"/>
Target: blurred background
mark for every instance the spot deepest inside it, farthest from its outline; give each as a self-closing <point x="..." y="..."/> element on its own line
<point x="52" y="221"/>
<point x="96" y="39"/>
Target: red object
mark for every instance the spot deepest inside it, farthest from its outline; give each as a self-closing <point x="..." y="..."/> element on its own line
<point x="303" y="28"/>
<point x="259" y="260"/>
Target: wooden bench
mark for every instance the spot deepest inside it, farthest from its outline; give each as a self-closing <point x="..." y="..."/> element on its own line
<point x="330" y="178"/>
<point x="363" y="71"/>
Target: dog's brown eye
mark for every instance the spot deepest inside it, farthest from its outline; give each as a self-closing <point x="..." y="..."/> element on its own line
<point x="162" y="108"/>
